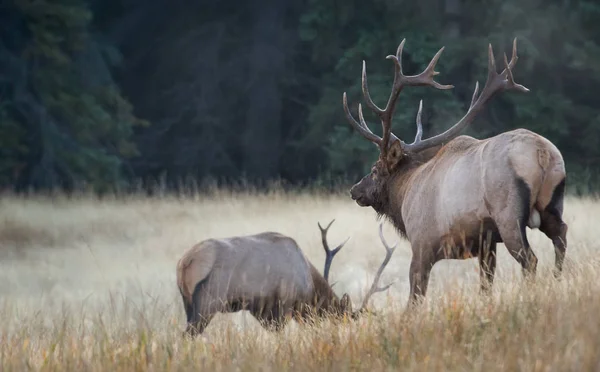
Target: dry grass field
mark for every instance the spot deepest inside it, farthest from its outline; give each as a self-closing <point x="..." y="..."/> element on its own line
<point x="89" y="285"/>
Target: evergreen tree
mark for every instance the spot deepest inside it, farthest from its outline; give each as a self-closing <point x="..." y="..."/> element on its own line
<point x="64" y="122"/>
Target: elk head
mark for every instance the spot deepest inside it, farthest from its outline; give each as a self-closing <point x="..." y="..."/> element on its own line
<point x="344" y="305"/>
<point x="394" y="154"/>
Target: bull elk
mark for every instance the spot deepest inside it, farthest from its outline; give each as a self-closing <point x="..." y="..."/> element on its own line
<point x="266" y="274"/>
<point x="455" y="197"/>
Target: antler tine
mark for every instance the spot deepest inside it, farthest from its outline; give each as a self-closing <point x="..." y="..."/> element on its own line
<point x="496" y="82"/>
<point x="397" y="59"/>
<point x="384" y="114"/>
<point x="426" y="77"/>
<point x="324" y="230"/>
<point x="329" y="253"/>
<point x="514" y="58"/>
<point x="509" y="77"/>
<point x="366" y="94"/>
<point x="388" y="249"/>
<point x="388" y="255"/>
<point x="491" y="64"/>
<point x="364" y="125"/>
<point x="419" y="124"/>
<point x="509" y="74"/>
<point x="475" y="91"/>
<point x="363" y="130"/>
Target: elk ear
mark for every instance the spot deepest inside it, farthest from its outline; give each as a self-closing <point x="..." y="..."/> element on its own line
<point x="394" y="155"/>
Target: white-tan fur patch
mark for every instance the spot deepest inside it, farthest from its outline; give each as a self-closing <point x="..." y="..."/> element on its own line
<point x="535" y="219"/>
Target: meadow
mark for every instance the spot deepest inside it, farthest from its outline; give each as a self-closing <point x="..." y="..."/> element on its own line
<point x="88" y="284"/>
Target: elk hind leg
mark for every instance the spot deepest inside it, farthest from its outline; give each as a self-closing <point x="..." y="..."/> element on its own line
<point x="554" y="227"/>
<point x="201" y="313"/>
<point x="487" y="264"/>
<point x="512" y="220"/>
<point x="198" y="324"/>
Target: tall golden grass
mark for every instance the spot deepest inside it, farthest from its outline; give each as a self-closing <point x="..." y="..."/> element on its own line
<point x="89" y="285"/>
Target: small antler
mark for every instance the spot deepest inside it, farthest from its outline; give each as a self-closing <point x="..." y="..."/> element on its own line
<point x="419" y="124"/>
<point x="388" y="255"/>
<point x="329" y="254"/>
<point x="385" y="115"/>
<point x="496" y="82"/>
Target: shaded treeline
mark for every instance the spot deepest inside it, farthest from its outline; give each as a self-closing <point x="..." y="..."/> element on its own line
<point x="103" y="94"/>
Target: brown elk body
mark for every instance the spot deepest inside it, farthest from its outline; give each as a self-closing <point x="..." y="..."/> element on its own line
<point x="266" y="274"/>
<point x="456" y="197"/>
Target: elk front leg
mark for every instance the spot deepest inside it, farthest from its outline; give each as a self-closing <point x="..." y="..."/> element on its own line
<point x="273" y="324"/>
<point x="555" y="228"/>
<point x="272" y="321"/>
<point x="270" y="313"/>
<point x="420" y="269"/>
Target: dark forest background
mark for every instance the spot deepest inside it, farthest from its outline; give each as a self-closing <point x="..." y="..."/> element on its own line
<point x="113" y="94"/>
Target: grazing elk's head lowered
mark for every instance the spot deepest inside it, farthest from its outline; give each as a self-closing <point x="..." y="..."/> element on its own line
<point x="455" y="197"/>
<point x="266" y="274"/>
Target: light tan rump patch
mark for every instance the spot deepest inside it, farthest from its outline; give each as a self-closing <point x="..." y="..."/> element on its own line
<point x="194" y="266"/>
<point x="543" y="158"/>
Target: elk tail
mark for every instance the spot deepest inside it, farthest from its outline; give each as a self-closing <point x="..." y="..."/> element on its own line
<point x="543" y="158"/>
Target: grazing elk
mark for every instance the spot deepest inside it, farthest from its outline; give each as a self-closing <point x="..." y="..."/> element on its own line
<point x="455" y="197"/>
<point x="266" y="274"/>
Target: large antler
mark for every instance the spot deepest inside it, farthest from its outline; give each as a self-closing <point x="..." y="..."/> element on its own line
<point x="385" y="115"/>
<point x="329" y="254"/>
<point x="388" y="255"/>
<point x="496" y="82"/>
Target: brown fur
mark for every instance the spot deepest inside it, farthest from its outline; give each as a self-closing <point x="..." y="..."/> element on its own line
<point x="456" y="197"/>
<point x="445" y="205"/>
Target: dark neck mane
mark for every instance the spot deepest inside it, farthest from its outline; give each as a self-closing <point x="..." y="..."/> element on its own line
<point x="397" y="185"/>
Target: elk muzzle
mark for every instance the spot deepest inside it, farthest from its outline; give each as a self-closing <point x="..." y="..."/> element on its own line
<point x="356" y="195"/>
<point x="359" y="192"/>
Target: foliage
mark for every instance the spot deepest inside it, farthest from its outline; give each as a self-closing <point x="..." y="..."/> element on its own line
<point x="254" y="91"/>
<point x="65" y="119"/>
<point x="557" y="55"/>
<point x="88" y="284"/>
